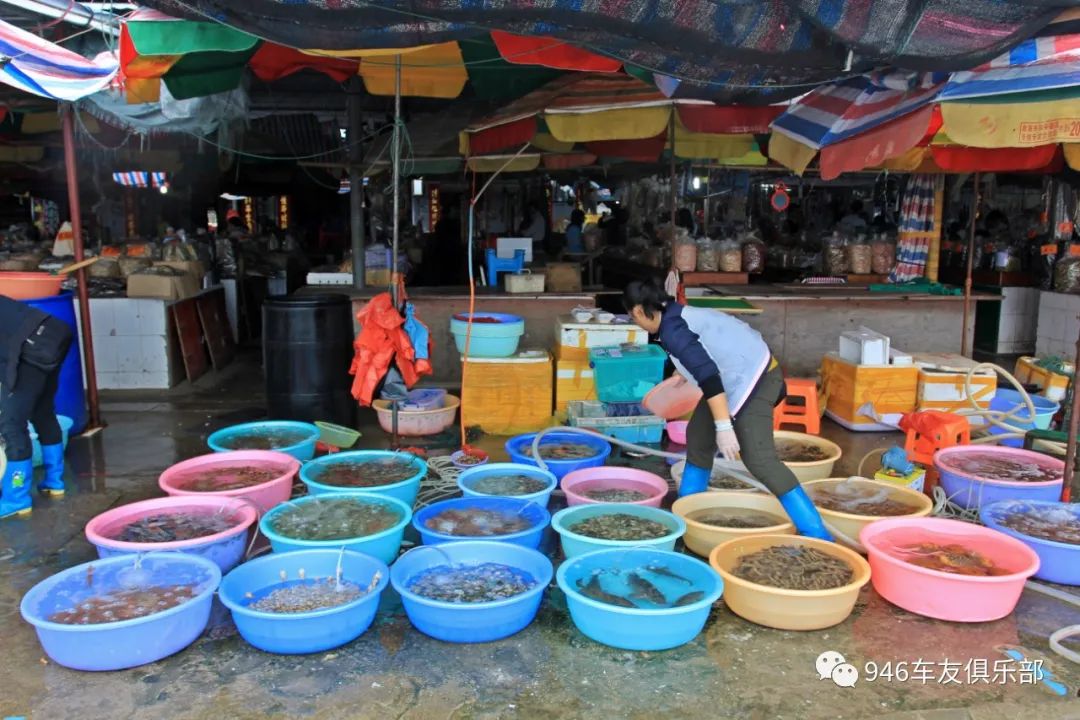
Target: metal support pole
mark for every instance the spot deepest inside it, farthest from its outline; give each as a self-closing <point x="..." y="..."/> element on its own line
<point x="674" y="201"/>
<point x="356" y="182"/>
<point x="396" y="151"/>
<point x="1074" y="427"/>
<point x="964" y="347"/>
<point x="71" y="167"/>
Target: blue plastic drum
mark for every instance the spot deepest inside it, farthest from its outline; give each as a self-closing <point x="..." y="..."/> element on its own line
<point x="70" y="395"/>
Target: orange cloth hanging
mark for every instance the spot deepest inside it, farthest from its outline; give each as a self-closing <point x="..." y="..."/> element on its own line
<point x="382" y="341"/>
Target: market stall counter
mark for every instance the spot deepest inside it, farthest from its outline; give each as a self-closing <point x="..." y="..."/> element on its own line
<point x="436" y="305"/>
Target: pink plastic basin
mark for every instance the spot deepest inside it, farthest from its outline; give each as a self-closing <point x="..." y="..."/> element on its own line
<point x="264" y="495"/>
<point x="225" y="547"/>
<point x="676" y="431"/>
<point x="417" y="423"/>
<point x="672" y="399"/>
<point x="613" y="478"/>
<point x="941" y="595"/>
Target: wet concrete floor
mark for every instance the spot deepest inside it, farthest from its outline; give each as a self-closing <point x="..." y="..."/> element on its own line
<point x="733" y="669"/>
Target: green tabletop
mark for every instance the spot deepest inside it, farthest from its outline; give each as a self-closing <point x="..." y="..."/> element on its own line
<point x="732" y="305"/>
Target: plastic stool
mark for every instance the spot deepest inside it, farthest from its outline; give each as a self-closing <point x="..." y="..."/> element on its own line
<point x="807" y="415"/>
<point x="929" y="431"/>
<point x="496" y="265"/>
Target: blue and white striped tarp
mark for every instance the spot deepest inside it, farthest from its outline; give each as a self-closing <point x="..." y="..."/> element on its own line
<point x="1045" y="63"/>
<point x="140" y="179"/>
<point x="42" y="68"/>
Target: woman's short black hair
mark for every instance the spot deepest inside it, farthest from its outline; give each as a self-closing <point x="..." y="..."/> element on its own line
<point x="649" y="294"/>
<point x="577" y="217"/>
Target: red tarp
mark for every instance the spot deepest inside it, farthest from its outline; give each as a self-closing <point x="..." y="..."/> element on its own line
<point x="730" y="120"/>
<point x="273" y="62"/>
<point x="875" y="146"/>
<point x="647" y="150"/>
<point x="550" y="52"/>
<point x="956" y="158"/>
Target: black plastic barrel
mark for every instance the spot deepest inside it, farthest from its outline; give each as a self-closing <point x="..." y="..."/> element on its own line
<point x="307" y="350"/>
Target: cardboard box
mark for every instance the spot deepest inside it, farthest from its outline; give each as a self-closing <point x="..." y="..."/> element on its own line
<point x="573" y="340"/>
<point x="563" y="277"/>
<point x="194" y="268"/>
<point x="162" y="287"/>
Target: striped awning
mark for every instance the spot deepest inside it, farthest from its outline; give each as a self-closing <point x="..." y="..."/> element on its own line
<point x="1045" y="63"/>
<point x="45" y="69"/>
<point x="140" y="179"/>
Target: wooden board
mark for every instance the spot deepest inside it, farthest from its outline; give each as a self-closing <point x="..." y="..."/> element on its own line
<point x="866" y="279"/>
<point x="189" y="331"/>
<point x="697" y="279"/>
<point x="215" y="328"/>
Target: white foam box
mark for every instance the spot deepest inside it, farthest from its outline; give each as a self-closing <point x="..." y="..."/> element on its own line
<point x="943" y="383"/>
<point x="864" y="347"/>
<point x="573" y="340"/>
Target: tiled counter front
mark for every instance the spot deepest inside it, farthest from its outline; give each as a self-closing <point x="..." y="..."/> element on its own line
<point x="134" y="344"/>
<point x="1059" y="324"/>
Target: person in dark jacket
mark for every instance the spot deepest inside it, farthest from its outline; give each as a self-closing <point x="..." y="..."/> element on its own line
<point x="741" y="384"/>
<point x="32" y="349"/>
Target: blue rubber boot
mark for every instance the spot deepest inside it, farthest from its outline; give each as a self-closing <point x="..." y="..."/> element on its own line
<point x="15" y="488"/>
<point x="694" y="480"/>
<point x="803" y="514"/>
<point x="52" y="457"/>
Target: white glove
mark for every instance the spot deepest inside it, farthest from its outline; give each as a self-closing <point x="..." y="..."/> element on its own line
<point x="726" y="440"/>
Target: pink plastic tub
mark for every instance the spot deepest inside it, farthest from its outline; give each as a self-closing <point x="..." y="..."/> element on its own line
<point x="942" y="595"/>
<point x="225" y="548"/>
<point x="264" y="495"/>
<point x="676" y="431"/>
<point x="613" y="478"/>
<point x="672" y="399"/>
<point x="416" y="423"/>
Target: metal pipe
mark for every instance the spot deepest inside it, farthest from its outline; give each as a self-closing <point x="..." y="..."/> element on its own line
<point x="1074" y="427"/>
<point x="970" y="265"/>
<point x="356" y="182"/>
<point x="396" y="151"/>
<point x="93" y="401"/>
<point x="674" y="201"/>
<point x="72" y="13"/>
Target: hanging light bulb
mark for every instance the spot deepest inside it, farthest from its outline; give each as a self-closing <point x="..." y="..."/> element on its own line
<point x="696" y="183"/>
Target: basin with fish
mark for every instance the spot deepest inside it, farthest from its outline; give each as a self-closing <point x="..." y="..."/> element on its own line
<point x="1051" y="529"/>
<point x="977" y="475"/>
<point x="614" y="484"/>
<point x="808" y="456"/>
<point x="264" y="477"/>
<point x="847" y="505"/>
<point x="719" y="480"/>
<point x="639" y="598"/>
<point x="601" y="526"/>
<point x="288" y="436"/>
<point x="361" y="522"/>
<point x="715" y="517"/>
<point x="948" y="569"/>
<point x="306" y="601"/>
<point x="382" y="472"/>
<point x="562" y="452"/>
<point x="790" y="582"/>
<point x="524" y="482"/>
<point x="215" y="528"/>
<point x="470" y="592"/>
<point x="501" y="519"/>
<point x="123" y="611"/>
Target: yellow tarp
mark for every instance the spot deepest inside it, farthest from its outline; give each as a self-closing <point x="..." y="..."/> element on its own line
<point x="790" y="153"/>
<point x="908" y="162"/>
<point x="21" y="153"/>
<point x="710" y="146"/>
<point x="47" y="122"/>
<point x="987" y="125"/>
<point x="636" y="123"/>
<point x="495" y="163"/>
<point x="436" y="71"/>
<point x="1072" y="154"/>
<point x="547" y="143"/>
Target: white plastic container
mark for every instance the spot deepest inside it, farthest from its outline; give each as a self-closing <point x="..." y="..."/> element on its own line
<point x="864" y="347"/>
<point x="526" y="282"/>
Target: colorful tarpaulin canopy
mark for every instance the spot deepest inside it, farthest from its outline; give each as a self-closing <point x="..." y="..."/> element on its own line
<point x="619" y="116"/>
<point x="42" y="68"/>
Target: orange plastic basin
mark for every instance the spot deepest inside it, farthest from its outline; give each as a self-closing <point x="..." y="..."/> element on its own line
<point x="787" y="609"/>
<point x="29" y="285"/>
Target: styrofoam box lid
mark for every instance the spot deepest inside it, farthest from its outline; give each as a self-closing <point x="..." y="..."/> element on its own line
<point x="524" y="356"/>
<point x="567" y="322"/>
<point x="835" y="356"/>
<point x="947" y="362"/>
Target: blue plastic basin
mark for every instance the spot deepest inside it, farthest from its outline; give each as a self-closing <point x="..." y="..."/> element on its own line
<point x="574" y="544"/>
<point x="128" y="643"/>
<point x="516" y="447"/>
<point x="639" y="628"/>
<point x="471" y="622"/>
<point x="536" y="514"/>
<point x="383" y="545"/>
<point x="302" y="451"/>
<point x="489" y="339"/>
<point x="404" y="490"/>
<point x="541" y="497"/>
<point x="307" y="632"/>
<point x="1005" y="400"/>
<point x="1058" y="562"/>
<point x="66" y="424"/>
